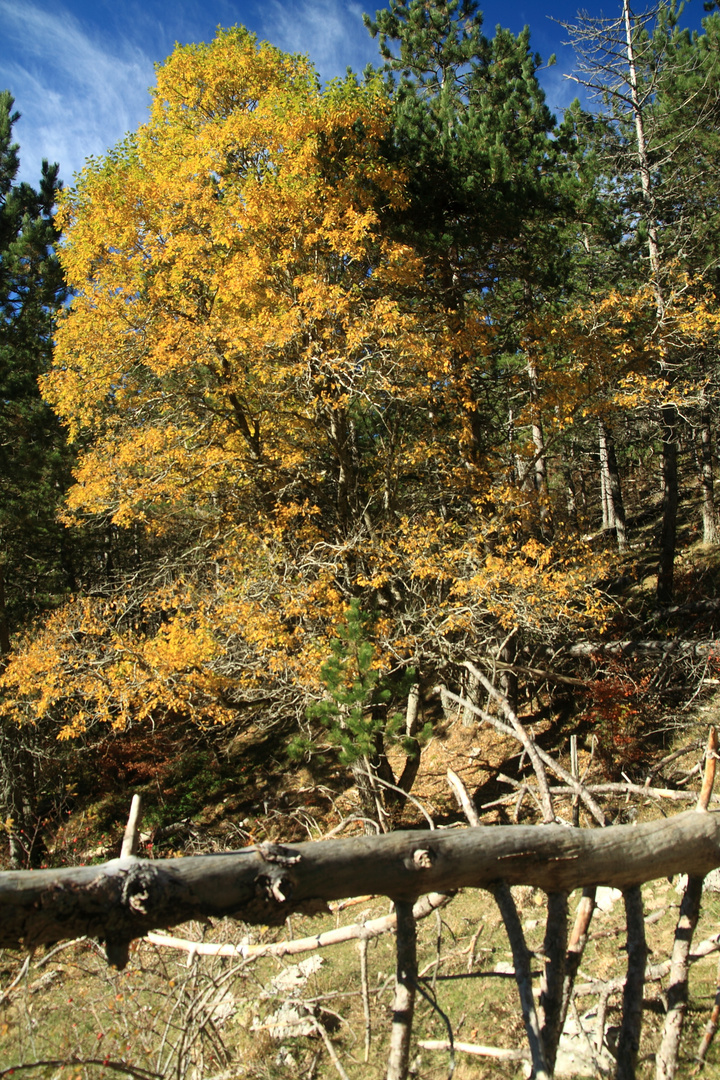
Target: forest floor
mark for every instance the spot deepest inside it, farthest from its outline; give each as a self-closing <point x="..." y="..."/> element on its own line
<point x="174" y="1014"/>
<point x="203" y="1018"/>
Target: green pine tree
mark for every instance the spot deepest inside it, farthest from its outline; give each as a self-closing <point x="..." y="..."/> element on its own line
<point x="35" y="564"/>
<point x="34" y="459"/>
<point x="359" y="714"/>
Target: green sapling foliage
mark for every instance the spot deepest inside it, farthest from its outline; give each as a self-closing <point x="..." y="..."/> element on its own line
<point x="356" y="710"/>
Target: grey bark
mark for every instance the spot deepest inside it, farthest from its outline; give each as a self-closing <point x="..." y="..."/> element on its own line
<point x="668" y="531"/>
<point x="540" y="461"/>
<point x="649" y="648"/>
<point x="523" y="978"/>
<point x="668" y="413"/>
<point x="553" y="978"/>
<point x="412" y="725"/>
<point x="629" y="1039"/>
<point x="404" y="999"/>
<point x="666" y="1059"/>
<point x="707" y="481"/>
<point x="613" y="506"/>
<point x="608" y="511"/>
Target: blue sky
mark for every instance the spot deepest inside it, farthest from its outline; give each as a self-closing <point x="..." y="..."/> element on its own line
<point x="80" y="69"/>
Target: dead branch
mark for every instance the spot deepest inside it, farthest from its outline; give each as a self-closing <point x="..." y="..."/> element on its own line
<point x="629" y="1039"/>
<point x="711" y="1026"/>
<point x="332" y="1053"/>
<point x="461" y="793"/>
<point x="576" y="947"/>
<point x="666" y="1059"/>
<point x="648" y="648"/>
<point x="496" y="1052"/>
<point x="711" y="755"/>
<point x="357" y="931"/>
<point x="17" y="980"/>
<point x="521" y="734"/>
<point x="615" y="788"/>
<point x="125" y="898"/>
<point x="540" y="673"/>
<point x="553" y="977"/>
<point x="523" y="978"/>
<point x="404" y="1000"/>
<point x="64" y="1063"/>
<point x="132" y="829"/>
<point x="554" y="766"/>
<point x="653" y="972"/>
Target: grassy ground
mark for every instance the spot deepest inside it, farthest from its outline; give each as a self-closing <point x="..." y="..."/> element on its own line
<point x="218" y="1017"/>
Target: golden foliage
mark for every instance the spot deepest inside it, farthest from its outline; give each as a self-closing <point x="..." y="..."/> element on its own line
<point x="252" y="362"/>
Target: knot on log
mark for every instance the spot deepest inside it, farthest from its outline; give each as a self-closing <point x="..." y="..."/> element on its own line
<point x="273" y="891"/>
<point x="139" y="884"/>
<point x="423" y="858"/>
<point x="276" y="853"/>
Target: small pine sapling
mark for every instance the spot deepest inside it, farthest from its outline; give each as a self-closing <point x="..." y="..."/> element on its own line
<point x="357" y="712"/>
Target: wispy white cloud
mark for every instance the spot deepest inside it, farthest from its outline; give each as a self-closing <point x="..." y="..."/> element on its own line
<point x="81" y="83"/>
<point x="77" y="92"/>
<point x="330" y="31"/>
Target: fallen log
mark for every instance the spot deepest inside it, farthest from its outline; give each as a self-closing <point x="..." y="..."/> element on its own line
<point x="650" y="648"/>
<point x="123" y="899"/>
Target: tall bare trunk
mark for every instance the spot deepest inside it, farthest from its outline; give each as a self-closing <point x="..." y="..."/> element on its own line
<point x="571" y="496"/>
<point x="669" y="418"/>
<point x="540" y="464"/>
<point x="668" y="531"/>
<point x="608" y="510"/>
<point x="613" y="507"/>
<point x="710" y="532"/>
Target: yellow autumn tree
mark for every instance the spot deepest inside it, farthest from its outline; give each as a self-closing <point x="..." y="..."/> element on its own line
<point x="265" y="396"/>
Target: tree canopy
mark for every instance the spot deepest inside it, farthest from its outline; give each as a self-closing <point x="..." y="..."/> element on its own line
<point x="357" y="364"/>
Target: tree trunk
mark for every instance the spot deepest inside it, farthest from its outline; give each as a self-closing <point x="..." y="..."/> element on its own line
<point x="608" y="512"/>
<point x="404" y="999"/>
<point x="571" y="492"/>
<point x="540" y="465"/>
<point x="507" y="654"/>
<point x="706" y="480"/>
<point x="412" y="723"/>
<point x="668" y="531"/>
<point x="17" y="772"/>
<point x="4" y="629"/>
<point x="263" y="884"/>
<point x="613" y="507"/>
<point x="666" y="1059"/>
<point x="471" y="693"/>
<point x="370" y="796"/>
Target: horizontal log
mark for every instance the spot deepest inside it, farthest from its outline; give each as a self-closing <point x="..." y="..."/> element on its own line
<point x="123" y="899"/>
<point x="651" y="649"/>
